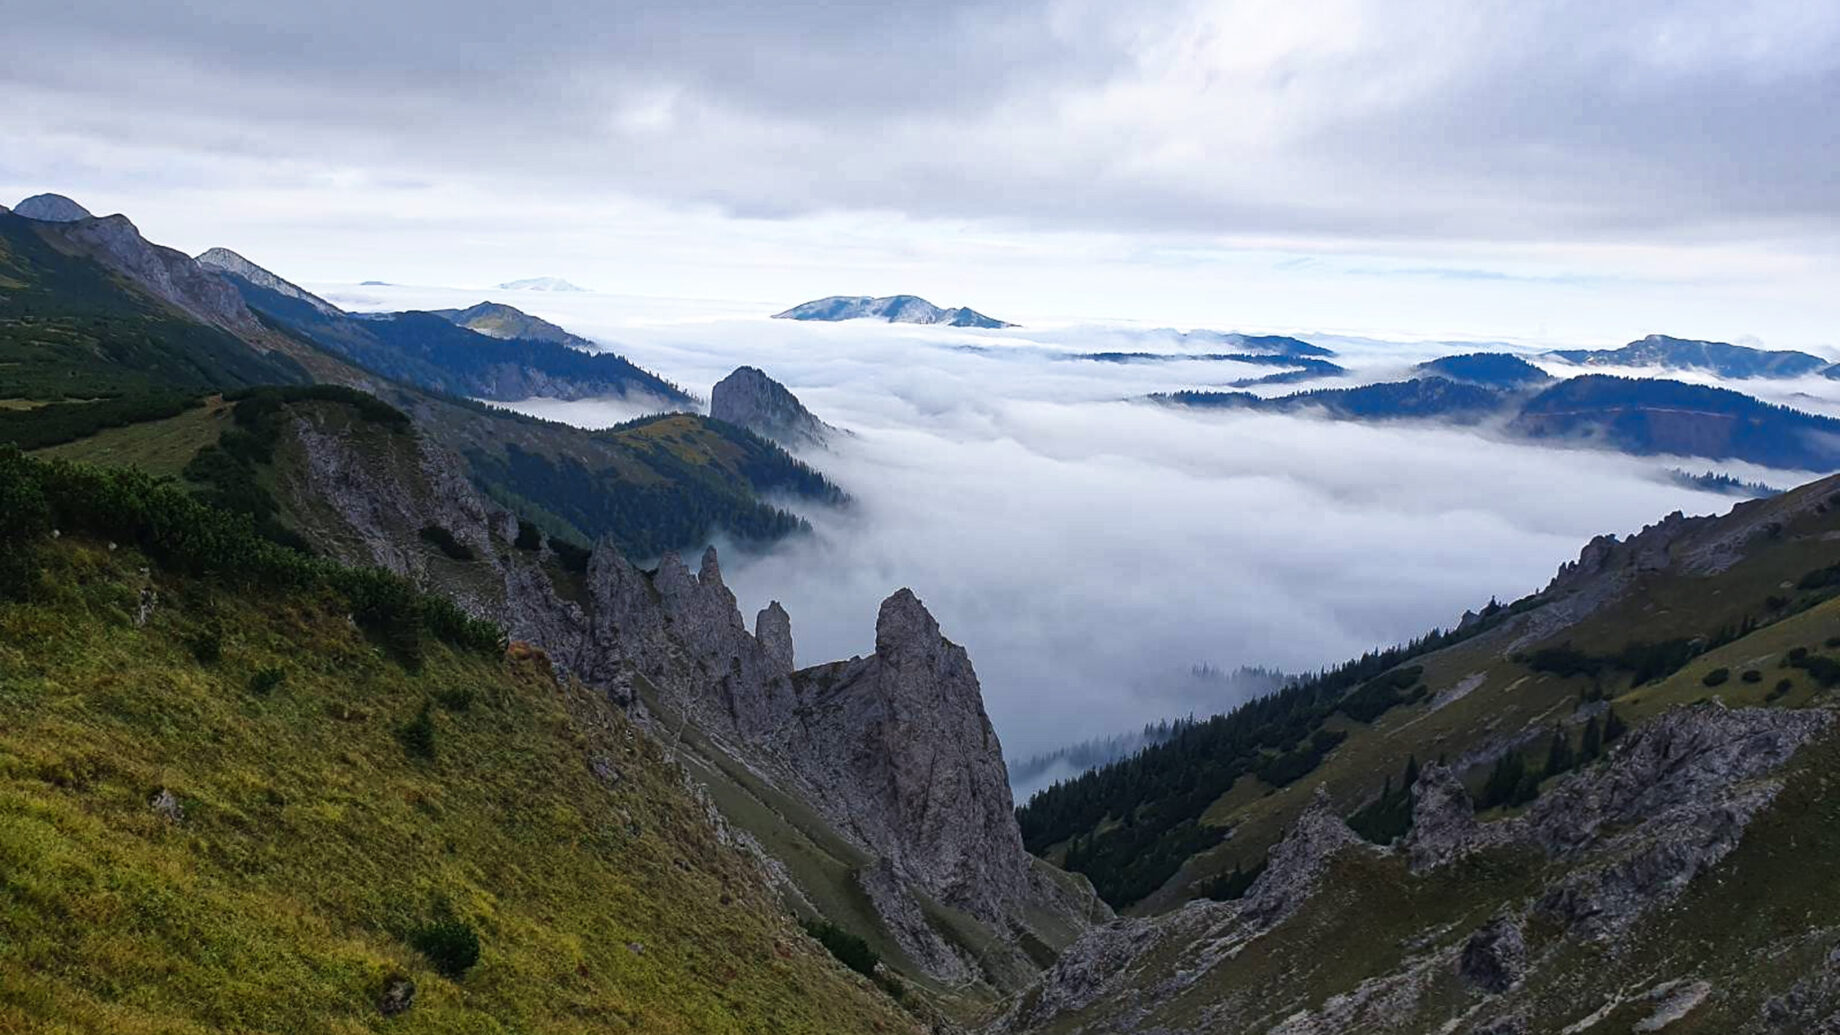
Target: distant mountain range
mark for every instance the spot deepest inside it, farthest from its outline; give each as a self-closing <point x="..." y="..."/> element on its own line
<point x="1736" y="362"/>
<point x="487" y="351"/>
<point x="539" y="284"/>
<point x="893" y="309"/>
<point x="1639" y="416"/>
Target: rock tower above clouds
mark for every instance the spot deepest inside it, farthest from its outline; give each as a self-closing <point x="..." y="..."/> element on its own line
<point x="751" y="399"/>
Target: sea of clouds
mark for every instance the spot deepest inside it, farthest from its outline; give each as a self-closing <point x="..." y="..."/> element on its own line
<point x="1089" y="548"/>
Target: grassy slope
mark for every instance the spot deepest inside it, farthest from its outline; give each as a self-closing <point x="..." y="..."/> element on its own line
<point x="311" y="841"/>
<point x="158" y="447"/>
<point x="1508" y="697"/>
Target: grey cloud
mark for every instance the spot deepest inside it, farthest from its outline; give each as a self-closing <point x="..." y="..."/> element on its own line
<point x="1374" y="120"/>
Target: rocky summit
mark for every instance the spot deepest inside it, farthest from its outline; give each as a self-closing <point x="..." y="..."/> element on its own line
<point x="51" y="208"/>
<point x="893" y="309"/>
<point x="751" y="399"/>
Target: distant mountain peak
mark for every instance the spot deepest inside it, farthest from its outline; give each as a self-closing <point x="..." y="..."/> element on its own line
<point x="751" y="399"/>
<point x="498" y="320"/>
<point x="51" y="208"/>
<point x="891" y="308"/>
<point x="539" y="284"/>
<point x="223" y="260"/>
<point x="1716" y="357"/>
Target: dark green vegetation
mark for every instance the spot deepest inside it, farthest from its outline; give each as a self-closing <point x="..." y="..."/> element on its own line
<point x="1489" y="369"/>
<point x="1132" y="824"/>
<point x="174" y="528"/>
<point x="55" y="423"/>
<point x="70" y="330"/>
<point x="1420" y="398"/>
<point x="1647" y="417"/>
<point x="189" y="843"/>
<point x="703" y="474"/>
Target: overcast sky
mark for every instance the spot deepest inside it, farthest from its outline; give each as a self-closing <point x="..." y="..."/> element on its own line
<point x="1565" y="169"/>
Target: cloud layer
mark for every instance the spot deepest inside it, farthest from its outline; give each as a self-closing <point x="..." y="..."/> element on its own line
<point x="1088" y="550"/>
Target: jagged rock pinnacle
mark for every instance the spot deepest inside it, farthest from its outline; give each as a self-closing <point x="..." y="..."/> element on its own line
<point x="773" y="628"/>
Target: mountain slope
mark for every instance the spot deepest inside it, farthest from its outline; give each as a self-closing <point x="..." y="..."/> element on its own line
<point x="439" y="351"/>
<point x="1647" y="417"/>
<point x="497" y="320"/>
<point x="71" y="326"/>
<point x="1486" y="909"/>
<point x="228" y="809"/>
<point x="894" y="309"/>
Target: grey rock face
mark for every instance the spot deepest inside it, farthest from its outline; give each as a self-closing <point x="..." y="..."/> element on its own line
<point x="1295" y="865"/>
<point x="223" y="260"/>
<point x="773" y="628"/>
<point x="900" y="752"/>
<point x="1444" y="827"/>
<point x="51" y="208"/>
<point x="169" y="275"/>
<point x="751" y="399"/>
<point x="1495" y="957"/>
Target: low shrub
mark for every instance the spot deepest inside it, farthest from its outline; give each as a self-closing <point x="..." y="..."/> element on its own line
<point x="849" y="949"/>
<point x="450" y="944"/>
<point x="417" y="735"/>
<point x="266" y="680"/>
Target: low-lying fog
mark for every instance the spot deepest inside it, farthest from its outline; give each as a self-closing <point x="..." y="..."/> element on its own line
<point x="1089" y="550"/>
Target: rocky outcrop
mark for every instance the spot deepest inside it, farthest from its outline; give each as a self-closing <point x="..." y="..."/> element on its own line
<point x="1444" y="827"/>
<point x="893" y="753"/>
<point x="900" y="753"/>
<point x="751" y="399"/>
<point x="1621" y="840"/>
<point x="773" y="630"/>
<point x="169" y="275"/>
<point x="223" y="260"/>
<point x="1495" y="957"/>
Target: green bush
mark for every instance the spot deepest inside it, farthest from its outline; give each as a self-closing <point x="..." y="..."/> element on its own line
<point x="207" y="644"/>
<point x="1230" y="886"/>
<point x="457" y="699"/>
<point x="417" y="735"/>
<point x="849" y="949"/>
<point x="446" y="543"/>
<point x="529" y="536"/>
<point x="266" y="680"/>
<point x="450" y="944"/>
<point x="1751" y="675"/>
<point x="1716" y="677"/>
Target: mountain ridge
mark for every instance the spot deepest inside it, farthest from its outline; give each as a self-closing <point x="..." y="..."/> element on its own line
<point x="891" y="308"/>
